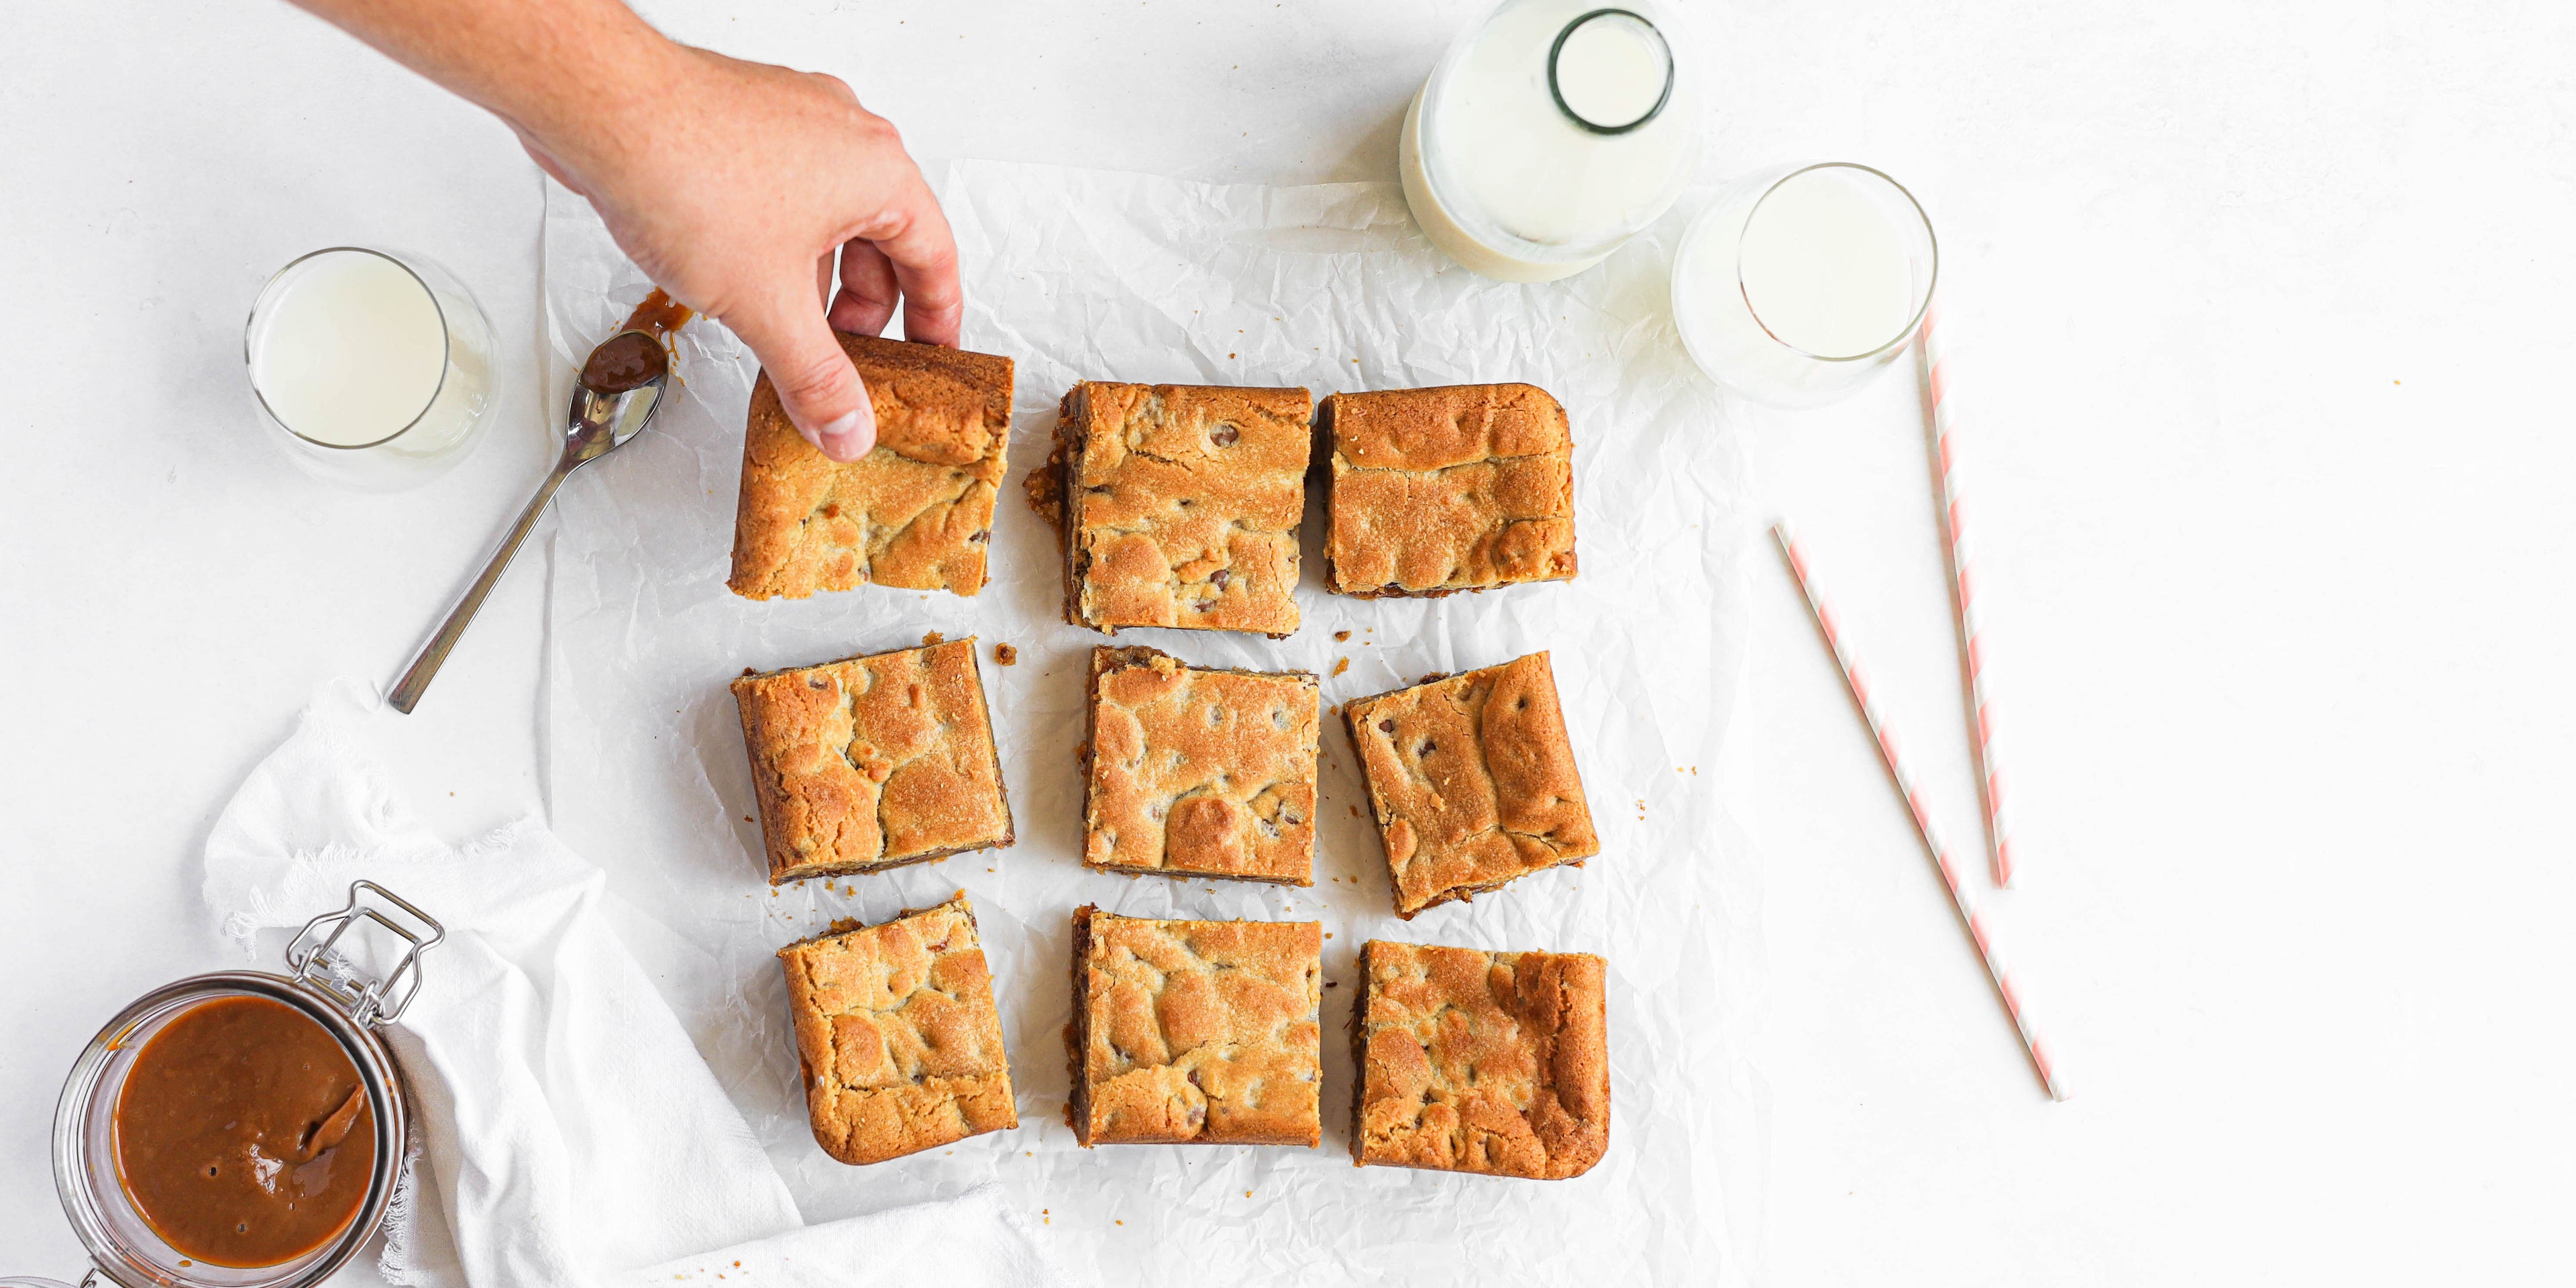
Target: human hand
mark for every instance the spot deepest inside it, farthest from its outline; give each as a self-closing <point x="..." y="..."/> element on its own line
<point x="733" y="184"/>
<point x="734" y="191"/>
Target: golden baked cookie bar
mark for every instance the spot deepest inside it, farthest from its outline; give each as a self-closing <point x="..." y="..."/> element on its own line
<point x="1480" y="1062"/>
<point x="1435" y="491"/>
<point x="1181" y="505"/>
<point x="916" y="512"/>
<point x="1195" y="1032"/>
<point x="873" y="762"/>
<point x="1473" y="782"/>
<point x="897" y="1036"/>
<point x="1197" y="772"/>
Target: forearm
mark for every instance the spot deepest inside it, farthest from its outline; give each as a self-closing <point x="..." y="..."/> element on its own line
<point x="558" y="71"/>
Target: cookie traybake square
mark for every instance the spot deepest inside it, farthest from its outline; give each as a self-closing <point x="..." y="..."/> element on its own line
<point x="1181" y="505"/>
<point x="1195" y="1032"/>
<point x="1435" y="491"/>
<point x="1472" y="781"/>
<point x="1198" y="772"/>
<point x="1480" y="1062"/>
<point x="873" y="762"/>
<point x="915" y="512"/>
<point x="897" y="1036"/>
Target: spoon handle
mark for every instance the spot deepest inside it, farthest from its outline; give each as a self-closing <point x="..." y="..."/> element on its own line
<point x="424" y="665"/>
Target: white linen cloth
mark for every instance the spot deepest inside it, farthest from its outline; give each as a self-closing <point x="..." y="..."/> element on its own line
<point x="573" y="1134"/>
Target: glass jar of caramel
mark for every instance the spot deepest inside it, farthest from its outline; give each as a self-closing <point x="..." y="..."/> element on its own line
<point x="244" y="1129"/>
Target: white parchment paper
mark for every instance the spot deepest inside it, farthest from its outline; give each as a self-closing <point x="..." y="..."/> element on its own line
<point x="1081" y="274"/>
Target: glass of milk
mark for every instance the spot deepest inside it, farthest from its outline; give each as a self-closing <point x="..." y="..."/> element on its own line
<point x="374" y="369"/>
<point x="1801" y="282"/>
<point x="1549" y="134"/>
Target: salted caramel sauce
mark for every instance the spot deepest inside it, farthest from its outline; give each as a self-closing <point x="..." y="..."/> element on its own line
<point x="639" y="353"/>
<point x="243" y="1134"/>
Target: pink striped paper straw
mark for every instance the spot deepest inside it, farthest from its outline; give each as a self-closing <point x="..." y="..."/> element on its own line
<point x="1922" y="817"/>
<point x="1954" y="523"/>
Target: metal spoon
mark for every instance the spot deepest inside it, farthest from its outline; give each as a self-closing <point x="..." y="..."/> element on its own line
<point x="619" y="389"/>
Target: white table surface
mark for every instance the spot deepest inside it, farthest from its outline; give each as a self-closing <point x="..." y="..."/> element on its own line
<point x="2258" y="316"/>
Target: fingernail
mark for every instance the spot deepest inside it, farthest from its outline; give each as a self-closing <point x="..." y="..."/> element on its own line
<point x="849" y="437"/>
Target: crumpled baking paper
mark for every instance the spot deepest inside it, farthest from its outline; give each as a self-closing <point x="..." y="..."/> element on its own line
<point x="1081" y="274"/>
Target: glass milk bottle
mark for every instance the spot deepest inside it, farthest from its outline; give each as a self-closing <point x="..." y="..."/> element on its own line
<point x="1549" y="134"/>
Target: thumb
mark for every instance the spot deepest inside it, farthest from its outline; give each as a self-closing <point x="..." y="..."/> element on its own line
<point x="817" y="385"/>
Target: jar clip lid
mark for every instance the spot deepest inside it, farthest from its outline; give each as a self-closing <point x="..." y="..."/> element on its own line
<point x="316" y="959"/>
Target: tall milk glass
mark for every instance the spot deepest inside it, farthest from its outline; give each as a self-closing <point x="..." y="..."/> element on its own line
<point x="372" y="369"/>
<point x="1801" y="282"/>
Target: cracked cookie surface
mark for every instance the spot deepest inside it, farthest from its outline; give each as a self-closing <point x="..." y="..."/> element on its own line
<point x="1199" y="772"/>
<point x="1472" y="781"/>
<point x="1180" y="505"/>
<point x="915" y="512"/>
<point x="1435" y="491"/>
<point x="1481" y="1062"/>
<point x="897" y="1035"/>
<point x="1195" y="1032"/>
<point x="873" y="762"/>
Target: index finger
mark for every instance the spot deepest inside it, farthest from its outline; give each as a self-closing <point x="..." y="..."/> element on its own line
<point x="917" y="241"/>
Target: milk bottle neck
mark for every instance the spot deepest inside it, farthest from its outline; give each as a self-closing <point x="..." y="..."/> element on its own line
<point x="1610" y="71"/>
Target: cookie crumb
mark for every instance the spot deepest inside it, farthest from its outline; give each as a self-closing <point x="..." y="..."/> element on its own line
<point x="1341" y="635"/>
<point x="1006" y="655"/>
<point x="932" y="638"/>
<point x="1340" y="665"/>
<point x="1044" y="488"/>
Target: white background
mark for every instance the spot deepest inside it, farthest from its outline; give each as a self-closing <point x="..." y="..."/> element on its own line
<point x="2259" y="315"/>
